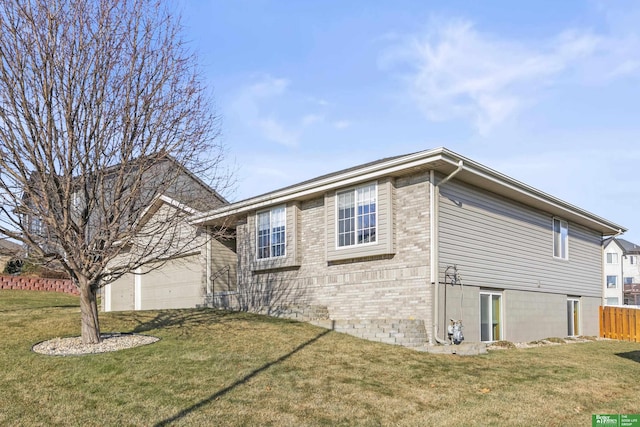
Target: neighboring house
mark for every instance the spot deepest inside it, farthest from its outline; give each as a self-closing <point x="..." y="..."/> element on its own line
<point x="189" y="277"/>
<point x="185" y="280"/>
<point x="621" y="272"/>
<point x="8" y="251"/>
<point x="187" y="274"/>
<point x="400" y="246"/>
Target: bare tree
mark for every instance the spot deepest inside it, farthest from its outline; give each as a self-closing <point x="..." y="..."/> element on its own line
<point x="102" y="113"/>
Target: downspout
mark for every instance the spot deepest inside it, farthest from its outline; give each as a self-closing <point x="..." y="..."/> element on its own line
<point x="208" y="250"/>
<point x="434" y="248"/>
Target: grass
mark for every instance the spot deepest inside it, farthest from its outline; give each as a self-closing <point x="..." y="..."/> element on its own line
<point x="223" y="368"/>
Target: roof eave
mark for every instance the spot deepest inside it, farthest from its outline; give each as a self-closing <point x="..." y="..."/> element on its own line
<point x="440" y="159"/>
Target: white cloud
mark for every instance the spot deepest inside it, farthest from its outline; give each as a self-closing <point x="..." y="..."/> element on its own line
<point x="269" y="106"/>
<point x="341" y="124"/>
<point x="254" y="99"/>
<point x="275" y="131"/>
<point x="310" y="119"/>
<point x="454" y="71"/>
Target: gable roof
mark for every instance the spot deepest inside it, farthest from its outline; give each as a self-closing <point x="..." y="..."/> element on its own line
<point x="441" y="160"/>
<point x="626" y="246"/>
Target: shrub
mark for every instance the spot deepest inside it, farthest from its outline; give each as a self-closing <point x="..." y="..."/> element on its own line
<point x="13" y="267"/>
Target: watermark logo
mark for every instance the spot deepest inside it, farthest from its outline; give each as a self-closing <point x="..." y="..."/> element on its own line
<point x="619" y="420"/>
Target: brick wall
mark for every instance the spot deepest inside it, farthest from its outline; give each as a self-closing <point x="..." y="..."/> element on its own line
<point x="385" y="289"/>
<point x="38" y="284"/>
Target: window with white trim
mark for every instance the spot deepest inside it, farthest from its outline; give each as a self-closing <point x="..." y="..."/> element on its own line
<point x="271" y="233"/>
<point x="357" y="216"/>
<point x="36" y="226"/>
<point x="628" y="280"/>
<point x="612" y="282"/>
<point x="560" y="238"/>
<point x="490" y="316"/>
<point x="573" y="317"/>
<point x="632" y="259"/>
<point x="612" y="258"/>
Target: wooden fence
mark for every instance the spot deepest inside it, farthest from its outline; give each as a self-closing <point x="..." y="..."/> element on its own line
<point x="620" y="323"/>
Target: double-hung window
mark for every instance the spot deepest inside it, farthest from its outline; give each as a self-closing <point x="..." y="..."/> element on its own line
<point x="612" y="258"/>
<point x="357" y="216"/>
<point x="271" y="234"/>
<point x="612" y="282"/>
<point x="560" y="238"/>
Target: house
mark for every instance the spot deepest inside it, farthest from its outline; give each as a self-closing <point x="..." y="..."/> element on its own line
<point x="175" y="263"/>
<point x="394" y="249"/>
<point x="184" y="277"/>
<point x="621" y="272"/>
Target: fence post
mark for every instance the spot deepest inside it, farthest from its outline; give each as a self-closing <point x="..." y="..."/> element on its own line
<point x="601" y="320"/>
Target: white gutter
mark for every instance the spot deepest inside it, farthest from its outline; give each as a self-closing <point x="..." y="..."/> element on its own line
<point x="509" y="188"/>
<point x="322" y="185"/>
<point x="434" y="229"/>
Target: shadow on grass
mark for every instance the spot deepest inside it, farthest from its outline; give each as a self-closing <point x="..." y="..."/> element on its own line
<point x="239" y="382"/>
<point x="183" y="319"/>
<point x="631" y="355"/>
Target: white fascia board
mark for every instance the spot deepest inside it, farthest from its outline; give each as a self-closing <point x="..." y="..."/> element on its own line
<point x="320" y="186"/>
<point x="381" y="169"/>
<point x="176" y="204"/>
<point x="533" y="193"/>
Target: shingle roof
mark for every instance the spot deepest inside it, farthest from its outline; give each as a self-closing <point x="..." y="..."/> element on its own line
<point x="628" y="246"/>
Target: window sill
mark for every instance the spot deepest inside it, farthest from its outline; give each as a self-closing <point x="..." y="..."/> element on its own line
<point x="273" y="264"/>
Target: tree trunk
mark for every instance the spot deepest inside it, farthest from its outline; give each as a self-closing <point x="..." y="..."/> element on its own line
<point x="90" y="329"/>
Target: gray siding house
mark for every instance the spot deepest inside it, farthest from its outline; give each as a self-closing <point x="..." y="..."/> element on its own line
<point x="184" y="276"/>
<point x="393" y="250"/>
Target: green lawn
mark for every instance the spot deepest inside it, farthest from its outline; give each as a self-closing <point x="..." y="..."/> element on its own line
<point x="222" y="368"/>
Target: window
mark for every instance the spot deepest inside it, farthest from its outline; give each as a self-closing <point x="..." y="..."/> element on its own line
<point x="36" y="226"/>
<point x="573" y="317"/>
<point x="612" y="301"/>
<point x="612" y="282"/>
<point x="271" y="233"/>
<point x="632" y="259"/>
<point x="356" y="223"/>
<point x="490" y="316"/>
<point x="628" y="280"/>
<point x="612" y="258"/>
<point x="560" y="238"/>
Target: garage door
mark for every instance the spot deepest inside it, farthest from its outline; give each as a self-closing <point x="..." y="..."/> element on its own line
<point x="176" y="284"/>
<point x="119" y="294"/>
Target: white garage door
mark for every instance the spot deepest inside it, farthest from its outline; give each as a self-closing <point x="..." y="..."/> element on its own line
<point x="119" y="294"/>
<point x="176" y="284"/>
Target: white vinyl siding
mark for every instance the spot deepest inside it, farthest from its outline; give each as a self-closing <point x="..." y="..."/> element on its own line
<point x="499" y="243"/>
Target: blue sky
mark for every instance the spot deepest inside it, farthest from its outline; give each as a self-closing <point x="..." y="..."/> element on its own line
<point x="547" y="93"/>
